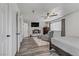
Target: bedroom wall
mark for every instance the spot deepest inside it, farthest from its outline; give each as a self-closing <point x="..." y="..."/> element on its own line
<point x="72" y="24"/>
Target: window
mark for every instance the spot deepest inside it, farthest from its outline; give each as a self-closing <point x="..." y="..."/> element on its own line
<point x="56" y="26"/>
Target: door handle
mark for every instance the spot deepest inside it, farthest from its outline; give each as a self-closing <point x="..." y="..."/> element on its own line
<point x="8" y="35"/>
<point x="17" y="33"/>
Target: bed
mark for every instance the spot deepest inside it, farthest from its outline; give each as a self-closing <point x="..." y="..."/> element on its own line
<point x="67" y="44"/>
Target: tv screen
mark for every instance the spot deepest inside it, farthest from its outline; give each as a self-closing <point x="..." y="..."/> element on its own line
<point x="35" y="24"/>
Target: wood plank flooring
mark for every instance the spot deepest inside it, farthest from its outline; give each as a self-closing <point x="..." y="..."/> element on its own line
<point x="30" y="48"/>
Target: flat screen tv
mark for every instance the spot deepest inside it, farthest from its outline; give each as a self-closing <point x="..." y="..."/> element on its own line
<point x="34" y="24"/>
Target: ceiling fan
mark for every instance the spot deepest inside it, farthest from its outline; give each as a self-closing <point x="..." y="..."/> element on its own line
<point x="50" y="15"/>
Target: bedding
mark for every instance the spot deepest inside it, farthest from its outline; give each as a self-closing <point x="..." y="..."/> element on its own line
<point x="68" y="44"/>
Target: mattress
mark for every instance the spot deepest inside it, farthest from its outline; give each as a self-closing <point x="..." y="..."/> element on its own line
<point x="68" y="44"/>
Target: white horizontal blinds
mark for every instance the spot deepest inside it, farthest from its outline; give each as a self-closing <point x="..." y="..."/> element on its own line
<point x="55" y="26"/>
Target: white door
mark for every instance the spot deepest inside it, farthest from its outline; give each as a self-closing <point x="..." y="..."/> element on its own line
<point x="25" y="27"/>
<point x="1" y="29"/>
<point x="5" y="34"/>
<point x="13" y="27"/>
<point x="4" y="28"/>
<point x="7" y="28"/>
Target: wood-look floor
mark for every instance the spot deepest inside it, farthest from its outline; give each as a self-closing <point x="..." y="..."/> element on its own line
<point x="30" y="48"/>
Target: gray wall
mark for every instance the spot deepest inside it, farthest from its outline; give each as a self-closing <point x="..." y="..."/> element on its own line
<point x="72" y="24"/>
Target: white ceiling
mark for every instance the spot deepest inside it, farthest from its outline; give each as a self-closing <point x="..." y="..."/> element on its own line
<point x="42" y="8"/>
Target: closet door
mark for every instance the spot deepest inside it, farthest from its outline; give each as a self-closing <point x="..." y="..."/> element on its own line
<point x="1" y="30"/>
<point x="4" y="29"/>
<point x="5" y="43"/>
